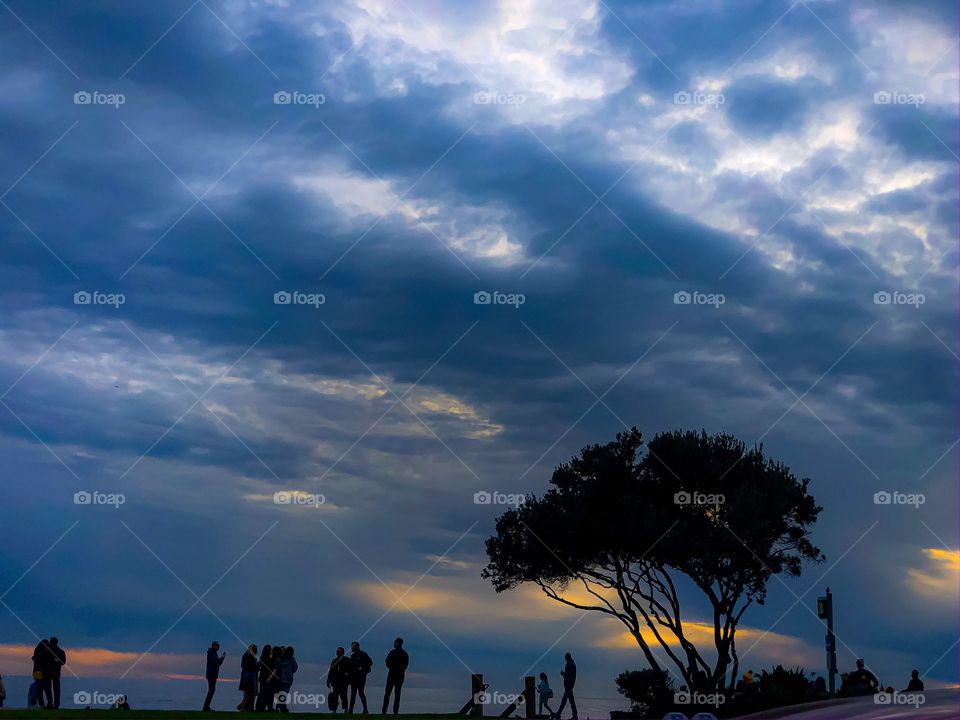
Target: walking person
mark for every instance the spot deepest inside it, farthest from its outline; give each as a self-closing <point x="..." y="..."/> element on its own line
<point x="248" y="679"/>
<point x="397" y="662"/>
<point x="569" y="674"/>
<point x="214" y="661"/>
<point x="264" y="671"/>
<point x="57" y="660"/>
<point x="338" y="677"/>
<point x="287" y="668"/>
<point x="360" y="666"/>
<point x="544" y="692"/>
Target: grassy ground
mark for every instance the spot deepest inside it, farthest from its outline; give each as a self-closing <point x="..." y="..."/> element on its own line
<point x="170" y="714"/>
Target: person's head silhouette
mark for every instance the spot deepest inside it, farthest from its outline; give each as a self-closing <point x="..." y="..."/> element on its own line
<point x="398" y="643"/>
<point x="54" y="642"/>
<point x="915" y="674"/>
<point x="860" y="664"/>
<point x="288" y="651"/>
<point x="354" y="646"/>
<point x="215" y="645"/>
<point x="339" y="652"/>
<point x="568" y="657"/>
<point x="543" y="676"/>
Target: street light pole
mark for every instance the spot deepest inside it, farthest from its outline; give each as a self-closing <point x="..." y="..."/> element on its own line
<point x="825" y="612"/>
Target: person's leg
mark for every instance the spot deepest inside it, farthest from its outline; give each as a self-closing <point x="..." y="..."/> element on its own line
<point x="362" y="688"/>
<point x="563" y="701"/>
<point x="211" y="688"/>
<point x="48" y="692"/>
<point x="396" y="695"/>
<point x="386" y="694"/>
<point x="353" y="695"/>
<point x="573" y="706"/>
<point x="56" y="692"/>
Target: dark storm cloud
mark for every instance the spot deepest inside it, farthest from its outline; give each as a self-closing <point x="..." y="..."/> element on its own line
<point x="600" y="295"/>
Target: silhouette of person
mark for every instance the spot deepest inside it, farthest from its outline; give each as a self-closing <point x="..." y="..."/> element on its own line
<point x="338" y="678"/>
<point x="248" y="679"/>
<point x="569" y="674"/>
<point x="214" y="661"/>
<point x="264" y="671"/>
<point x="58" y="658"/>
<point x="861" y="681"/>
<point x="545" y="692"/>
<point x="360" y="666"/>
<point x="915" y="684"/>
<point x="287" y="668"/>
<point x="397" y="662"/>
<point x="3" y="692"/>
<point x="122" y="703"/>
<point x="273" y="680"/>
<point x="43" y="661"/>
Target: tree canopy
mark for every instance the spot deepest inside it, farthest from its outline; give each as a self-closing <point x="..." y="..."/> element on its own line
<point x="617" y="527"/>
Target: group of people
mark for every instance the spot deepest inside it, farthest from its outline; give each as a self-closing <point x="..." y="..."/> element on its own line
<point x="545" y="692"/>
<point x="265" y="681"/>
<point x="48" y="661"/>
<point x="863" y="682"/>
<point x="349" y="672"/>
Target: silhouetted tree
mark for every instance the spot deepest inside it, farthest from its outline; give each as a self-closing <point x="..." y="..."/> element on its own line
<point x="615" y="529"/>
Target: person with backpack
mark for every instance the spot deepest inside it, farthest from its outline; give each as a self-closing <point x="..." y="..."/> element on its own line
<point x="545" y="692"/>
<point x="338" y="678"/>
<point x="361" y="665"/>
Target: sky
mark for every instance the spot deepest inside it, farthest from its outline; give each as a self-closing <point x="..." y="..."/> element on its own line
<point x="382" y="256"/>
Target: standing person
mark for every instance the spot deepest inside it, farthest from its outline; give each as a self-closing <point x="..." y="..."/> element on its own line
<point x="360" y="666"/>
<point x="338" y="677"/>
<point x="273" y="680"/>
<point x="569" y="674"/>
<point x="288" y="668"/>
<point x="3" y="692"/>
<point x="214" y="661"/>
<point x="248" y="679"/>
<point x="58" y="658"/>
<point x="545" y="693"/>
<point x="42" y="667"/>
<point x="397" y="662"/>
<point x="265" y="669"/>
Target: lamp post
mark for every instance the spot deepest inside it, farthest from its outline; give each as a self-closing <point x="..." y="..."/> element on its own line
<point x="825" y="612"/>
